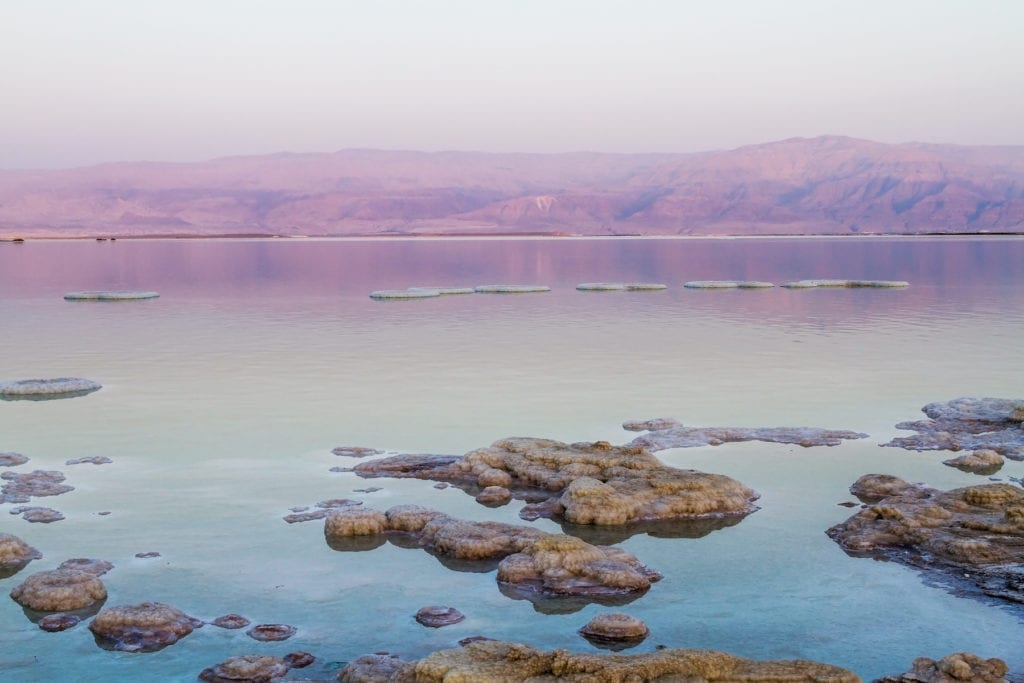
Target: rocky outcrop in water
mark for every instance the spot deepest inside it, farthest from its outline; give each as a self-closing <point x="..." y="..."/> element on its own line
<point x="970" y="538"/>
<point x="956" y="668"/>
<point x="664" y="433"/>
<point x="530" y="562"/>
<point x="493" y="661"/>
<point x="968" y="424"/>
<point x="581" y="483"/>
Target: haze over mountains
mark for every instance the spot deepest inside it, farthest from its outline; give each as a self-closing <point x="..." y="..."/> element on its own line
<point x="824" y="185"/>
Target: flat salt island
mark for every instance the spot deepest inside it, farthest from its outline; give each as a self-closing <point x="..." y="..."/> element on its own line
<point x="58" y="387"/>
<point x="511" y="289"/>
<point x="419" y="292"/>
<point x="728" y="284"/>
<point x="620" y="286"/>
<point x="867" y="284"/>
<point x="111" y="295"/>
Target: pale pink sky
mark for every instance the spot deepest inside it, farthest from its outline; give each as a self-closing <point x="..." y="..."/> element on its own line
<point x="84" y="82"/>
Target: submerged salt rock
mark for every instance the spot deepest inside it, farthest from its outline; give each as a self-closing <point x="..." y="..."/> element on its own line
<point x="728" y="284"/>
<point x="511" y="289"/>
<point x="355" y="451"/>
<point x="231" y="621"/>
<point x="92" y="459"/>
<point x="388" y="294"/>
<point x="665" y="433"/>
<point x="377" y="668"/>
<point x="53" y="623"/>
<point x="36" y="514"/>
<point x="59" y="590"/>
<point x="968" y="424"/>
<point x="246" y="669"/>
<point x="28" y="388"/>
<point x="83" y="564"/>
<point x="20" y="487"/>
<point x="146" y="627"/>
<point x="111" y="295"/>
<point x="271" y="632"/>
<point x="962" y="666"/>
<point x="982" y="461"/>
<point x="15" y="554"/>
<point x="12" y="459"/>
<point x="615" y="631"/>
<point x="971" y="535"/>
<point x="493" y="661"/>
<point x="436" y="616"/>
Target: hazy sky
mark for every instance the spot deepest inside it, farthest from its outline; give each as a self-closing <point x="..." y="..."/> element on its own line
<point x="87" y="81"/>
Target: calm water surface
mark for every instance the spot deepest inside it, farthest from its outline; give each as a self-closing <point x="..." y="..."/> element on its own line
<point x="223" y="398"/>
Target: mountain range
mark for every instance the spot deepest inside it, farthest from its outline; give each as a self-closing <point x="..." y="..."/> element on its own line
<point x="828" y="185"/>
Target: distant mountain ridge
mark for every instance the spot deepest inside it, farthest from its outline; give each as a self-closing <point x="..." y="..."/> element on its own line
<point x="825" y="185"/>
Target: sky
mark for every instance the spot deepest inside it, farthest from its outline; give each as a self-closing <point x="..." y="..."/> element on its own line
<point x="91" y="81"/>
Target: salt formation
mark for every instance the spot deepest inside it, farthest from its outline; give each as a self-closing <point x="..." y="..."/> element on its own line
<point x="620" y="286"/>
<point x="584" y="483"/>
<point x="493" y="661"/>
<point x="615" y="631"/>
<point x="664" y="433"/>
<point x="982" y="461"/>
<point x="511" y="289"/>
<point x="971" y="536"/>
<point x="876" y="284"/>
<point x="146" y="627"/>
<point x="968" y="424"/>
<point x="436" y="616"/>
<point x="111" y="295"/>
<point x="384" y="294"/>
<point x="59" y="590"/>
<point x="246" y="669"/>
<point x="41" y="389"/>
<point x="20" y="487"/>
<point x="529" y="560"/>
<point x="12" y="459"/>
<point x="962" y="666"/>
<point x="728" y="284"/>
<point x="15" y="554"/>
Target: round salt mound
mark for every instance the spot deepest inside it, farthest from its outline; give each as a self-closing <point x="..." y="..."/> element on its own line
<point x="384" y="294"/>
<point x="511" y="289"/>
<point x="110" y="295"/>
<point x="47" y="387"/>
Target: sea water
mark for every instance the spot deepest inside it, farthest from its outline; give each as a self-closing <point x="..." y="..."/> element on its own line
<point x="223" y="398"/>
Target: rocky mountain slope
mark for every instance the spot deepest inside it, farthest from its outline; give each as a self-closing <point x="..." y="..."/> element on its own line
<point x="825" y="185"/>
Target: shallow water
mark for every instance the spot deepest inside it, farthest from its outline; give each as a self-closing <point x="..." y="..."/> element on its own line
<point x="223" y="398"/>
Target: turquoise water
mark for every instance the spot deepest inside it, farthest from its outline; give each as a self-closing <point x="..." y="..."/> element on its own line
<point x="223" y="398"/>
